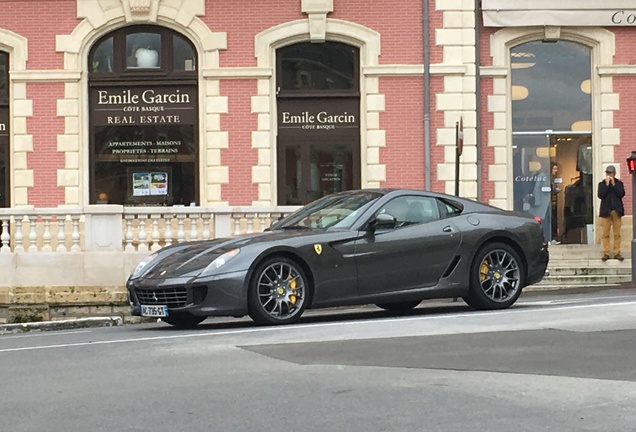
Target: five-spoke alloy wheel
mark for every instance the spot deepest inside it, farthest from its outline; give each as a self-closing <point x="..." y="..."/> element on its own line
<point x="278" y="292"/>
<point x="496" y="277"/>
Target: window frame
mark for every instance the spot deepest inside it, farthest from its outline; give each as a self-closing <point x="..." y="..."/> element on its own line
<point x="288" y="93"/>
<point x="122" y="73"/>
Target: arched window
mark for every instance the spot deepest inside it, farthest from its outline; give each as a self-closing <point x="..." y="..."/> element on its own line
<point x="552" y="136"/>
<point x="143" y="118"/>
<point x="318" y="120"/>
<point x="4" y="130"/>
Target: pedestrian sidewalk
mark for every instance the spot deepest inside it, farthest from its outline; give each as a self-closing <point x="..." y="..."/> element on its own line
<point x="62" y="324"/>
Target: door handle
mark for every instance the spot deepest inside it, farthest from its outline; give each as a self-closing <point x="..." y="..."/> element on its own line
<point x="447" y="229"/>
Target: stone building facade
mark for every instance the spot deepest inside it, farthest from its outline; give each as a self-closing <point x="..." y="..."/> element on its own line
<point x="250" y="69"/>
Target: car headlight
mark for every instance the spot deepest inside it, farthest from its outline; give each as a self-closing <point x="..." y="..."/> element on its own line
<point x="219" y="261"/>
<point x="144" y="262"/>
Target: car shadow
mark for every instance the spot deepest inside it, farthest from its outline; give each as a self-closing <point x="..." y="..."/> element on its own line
<point x="332" y="315"/>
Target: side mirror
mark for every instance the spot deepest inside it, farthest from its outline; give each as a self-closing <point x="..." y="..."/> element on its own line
<point x="383" y="220"/>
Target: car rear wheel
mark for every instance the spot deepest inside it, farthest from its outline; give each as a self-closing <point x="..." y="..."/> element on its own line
<point x="278" y="292"/>
<point x="496" y="278"/>
<point x="399" y="307"/>
<point x="183" y="320"/>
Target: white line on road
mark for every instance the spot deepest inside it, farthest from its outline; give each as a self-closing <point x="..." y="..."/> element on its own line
<point x="31" y="335"/>
<point x="318" y="325"/>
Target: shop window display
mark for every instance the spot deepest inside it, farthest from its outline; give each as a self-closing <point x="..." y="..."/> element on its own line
<point x="143" y="118"/>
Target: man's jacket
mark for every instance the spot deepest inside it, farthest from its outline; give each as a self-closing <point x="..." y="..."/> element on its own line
<point x="611" y="198"/>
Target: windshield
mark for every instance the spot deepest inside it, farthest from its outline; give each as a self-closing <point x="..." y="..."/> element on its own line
<point x="333" y="211"/>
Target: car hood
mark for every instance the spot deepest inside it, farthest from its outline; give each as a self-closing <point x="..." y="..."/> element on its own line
<point x="190" y="259"/>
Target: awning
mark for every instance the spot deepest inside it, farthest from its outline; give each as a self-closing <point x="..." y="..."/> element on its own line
<point x="523" y="13"/>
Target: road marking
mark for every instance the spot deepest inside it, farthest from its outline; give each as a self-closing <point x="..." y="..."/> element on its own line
<point x="318" y="325"/>
<point x="30" y="335"/>
<point x="572" y="300"/>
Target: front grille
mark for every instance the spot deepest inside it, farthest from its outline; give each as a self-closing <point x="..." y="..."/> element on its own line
<point x="172" y="297"/>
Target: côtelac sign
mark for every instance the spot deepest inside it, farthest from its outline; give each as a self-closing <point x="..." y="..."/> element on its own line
<point x="4" y="125"/>
<point x="590" y="13"/>
<point x="318" y="117"/>
<point x="118" y="106"/>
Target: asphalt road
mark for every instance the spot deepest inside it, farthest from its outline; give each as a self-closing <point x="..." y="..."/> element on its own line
<point x="551" y="363"/>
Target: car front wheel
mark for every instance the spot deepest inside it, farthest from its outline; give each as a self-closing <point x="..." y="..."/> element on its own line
<point x="496" y="278"/>
<point x="278" y="292"/>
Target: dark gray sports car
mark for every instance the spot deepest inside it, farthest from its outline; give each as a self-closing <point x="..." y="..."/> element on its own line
<point x="392" y="248"/>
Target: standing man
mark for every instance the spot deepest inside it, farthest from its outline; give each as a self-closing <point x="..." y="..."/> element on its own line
<point x="611" y="192"/>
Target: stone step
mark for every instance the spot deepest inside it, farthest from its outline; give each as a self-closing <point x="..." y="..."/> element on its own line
<point x="590" y="270"/>
<point x="586" y="280"/>
<point x="584" y="263"/>
<point x="549" y="287"/>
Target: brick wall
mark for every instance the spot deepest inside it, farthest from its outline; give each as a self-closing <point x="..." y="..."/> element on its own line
<point x="487" y="153"/>
<point x="624" y="120"/>
<point x="400" y="26"/>
<point x="239" y="156"/>
<point x="45" y="160"/>
<point x="40" y="23"/>
<point x="403" y="121"/>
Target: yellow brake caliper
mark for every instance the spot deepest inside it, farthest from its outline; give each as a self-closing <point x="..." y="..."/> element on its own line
<point x="292" y="297"/>
<point x="483" y="271"/>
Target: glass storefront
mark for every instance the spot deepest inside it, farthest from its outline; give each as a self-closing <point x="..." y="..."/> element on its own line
<point x="318" y="121"/>
<point x="143" y="118"/>
<point x="4" y="130"/>
<point x="552" y="140"/>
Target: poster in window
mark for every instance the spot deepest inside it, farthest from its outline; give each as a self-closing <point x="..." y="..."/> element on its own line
<point x="141" y="184"/>
<point x="159" y="183"/>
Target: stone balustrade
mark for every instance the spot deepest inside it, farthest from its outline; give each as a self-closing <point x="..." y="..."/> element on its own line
<point x="113" y="227"/>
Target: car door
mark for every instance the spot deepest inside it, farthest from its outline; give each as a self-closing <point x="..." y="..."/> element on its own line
<point x="412" y="254"/>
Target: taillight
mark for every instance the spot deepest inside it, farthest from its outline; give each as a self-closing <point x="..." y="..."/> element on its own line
<point x="538" y="219"/>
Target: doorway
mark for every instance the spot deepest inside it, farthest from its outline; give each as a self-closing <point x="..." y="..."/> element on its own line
<point x="553" y="180"/>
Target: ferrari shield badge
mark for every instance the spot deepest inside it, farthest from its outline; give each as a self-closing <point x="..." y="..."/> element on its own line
<point x="318" y="248"/>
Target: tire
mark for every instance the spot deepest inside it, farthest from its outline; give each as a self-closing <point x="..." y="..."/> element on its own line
<point x="183" y="320"/>
<point x="399" y="307"/>
<point x="496" y="278"/>
<point x="278" y="292"/>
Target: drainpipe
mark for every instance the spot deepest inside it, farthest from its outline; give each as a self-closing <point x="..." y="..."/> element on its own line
<point x="427" y="93"/>
<point x="478" y="97"/>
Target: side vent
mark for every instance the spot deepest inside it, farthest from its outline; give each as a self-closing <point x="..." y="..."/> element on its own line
<point x="451" y="266"/>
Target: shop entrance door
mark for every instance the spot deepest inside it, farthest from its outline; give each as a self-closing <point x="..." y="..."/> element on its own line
<point x="553" y="180"/>
<point x="310" y="170"/>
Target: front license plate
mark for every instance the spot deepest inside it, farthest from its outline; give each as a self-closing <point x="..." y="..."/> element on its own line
<point x="154" y="310"/>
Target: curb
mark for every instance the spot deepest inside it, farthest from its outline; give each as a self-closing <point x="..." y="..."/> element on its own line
<point x="62" y="324"/>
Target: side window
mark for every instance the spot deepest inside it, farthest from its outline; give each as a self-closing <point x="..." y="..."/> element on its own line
<point x="409" y="210"/>
<point x="449" y="209"/>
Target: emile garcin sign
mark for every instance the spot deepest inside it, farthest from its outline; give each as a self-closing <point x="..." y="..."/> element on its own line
<point x="143" y="106"/>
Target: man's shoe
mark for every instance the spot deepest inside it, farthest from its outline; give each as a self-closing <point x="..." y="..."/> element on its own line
<point x="619" y="257"/>
<point x="605" y="257"/>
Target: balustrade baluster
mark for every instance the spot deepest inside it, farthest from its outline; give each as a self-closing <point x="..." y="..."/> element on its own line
<point x="129" y="233"/>
<point x="46" y="236"/>
<point x="194" y="233"/>
<point x="180" y="229"/>
<point x="250" y="223"/>
<point x="33" y="235"/>
<point x="156" y="238"/>
<point x="237" y="223"/>
<point x="168" y="233"/>
<point x="262" y="222"/>
<point x="19" y="247"/>
<point x="61" y="234"/>
<point x="76" y="234"/>
<point x="5" y="237"/>
<point x="206" y="226"/>
<point x="142" y="237"/>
